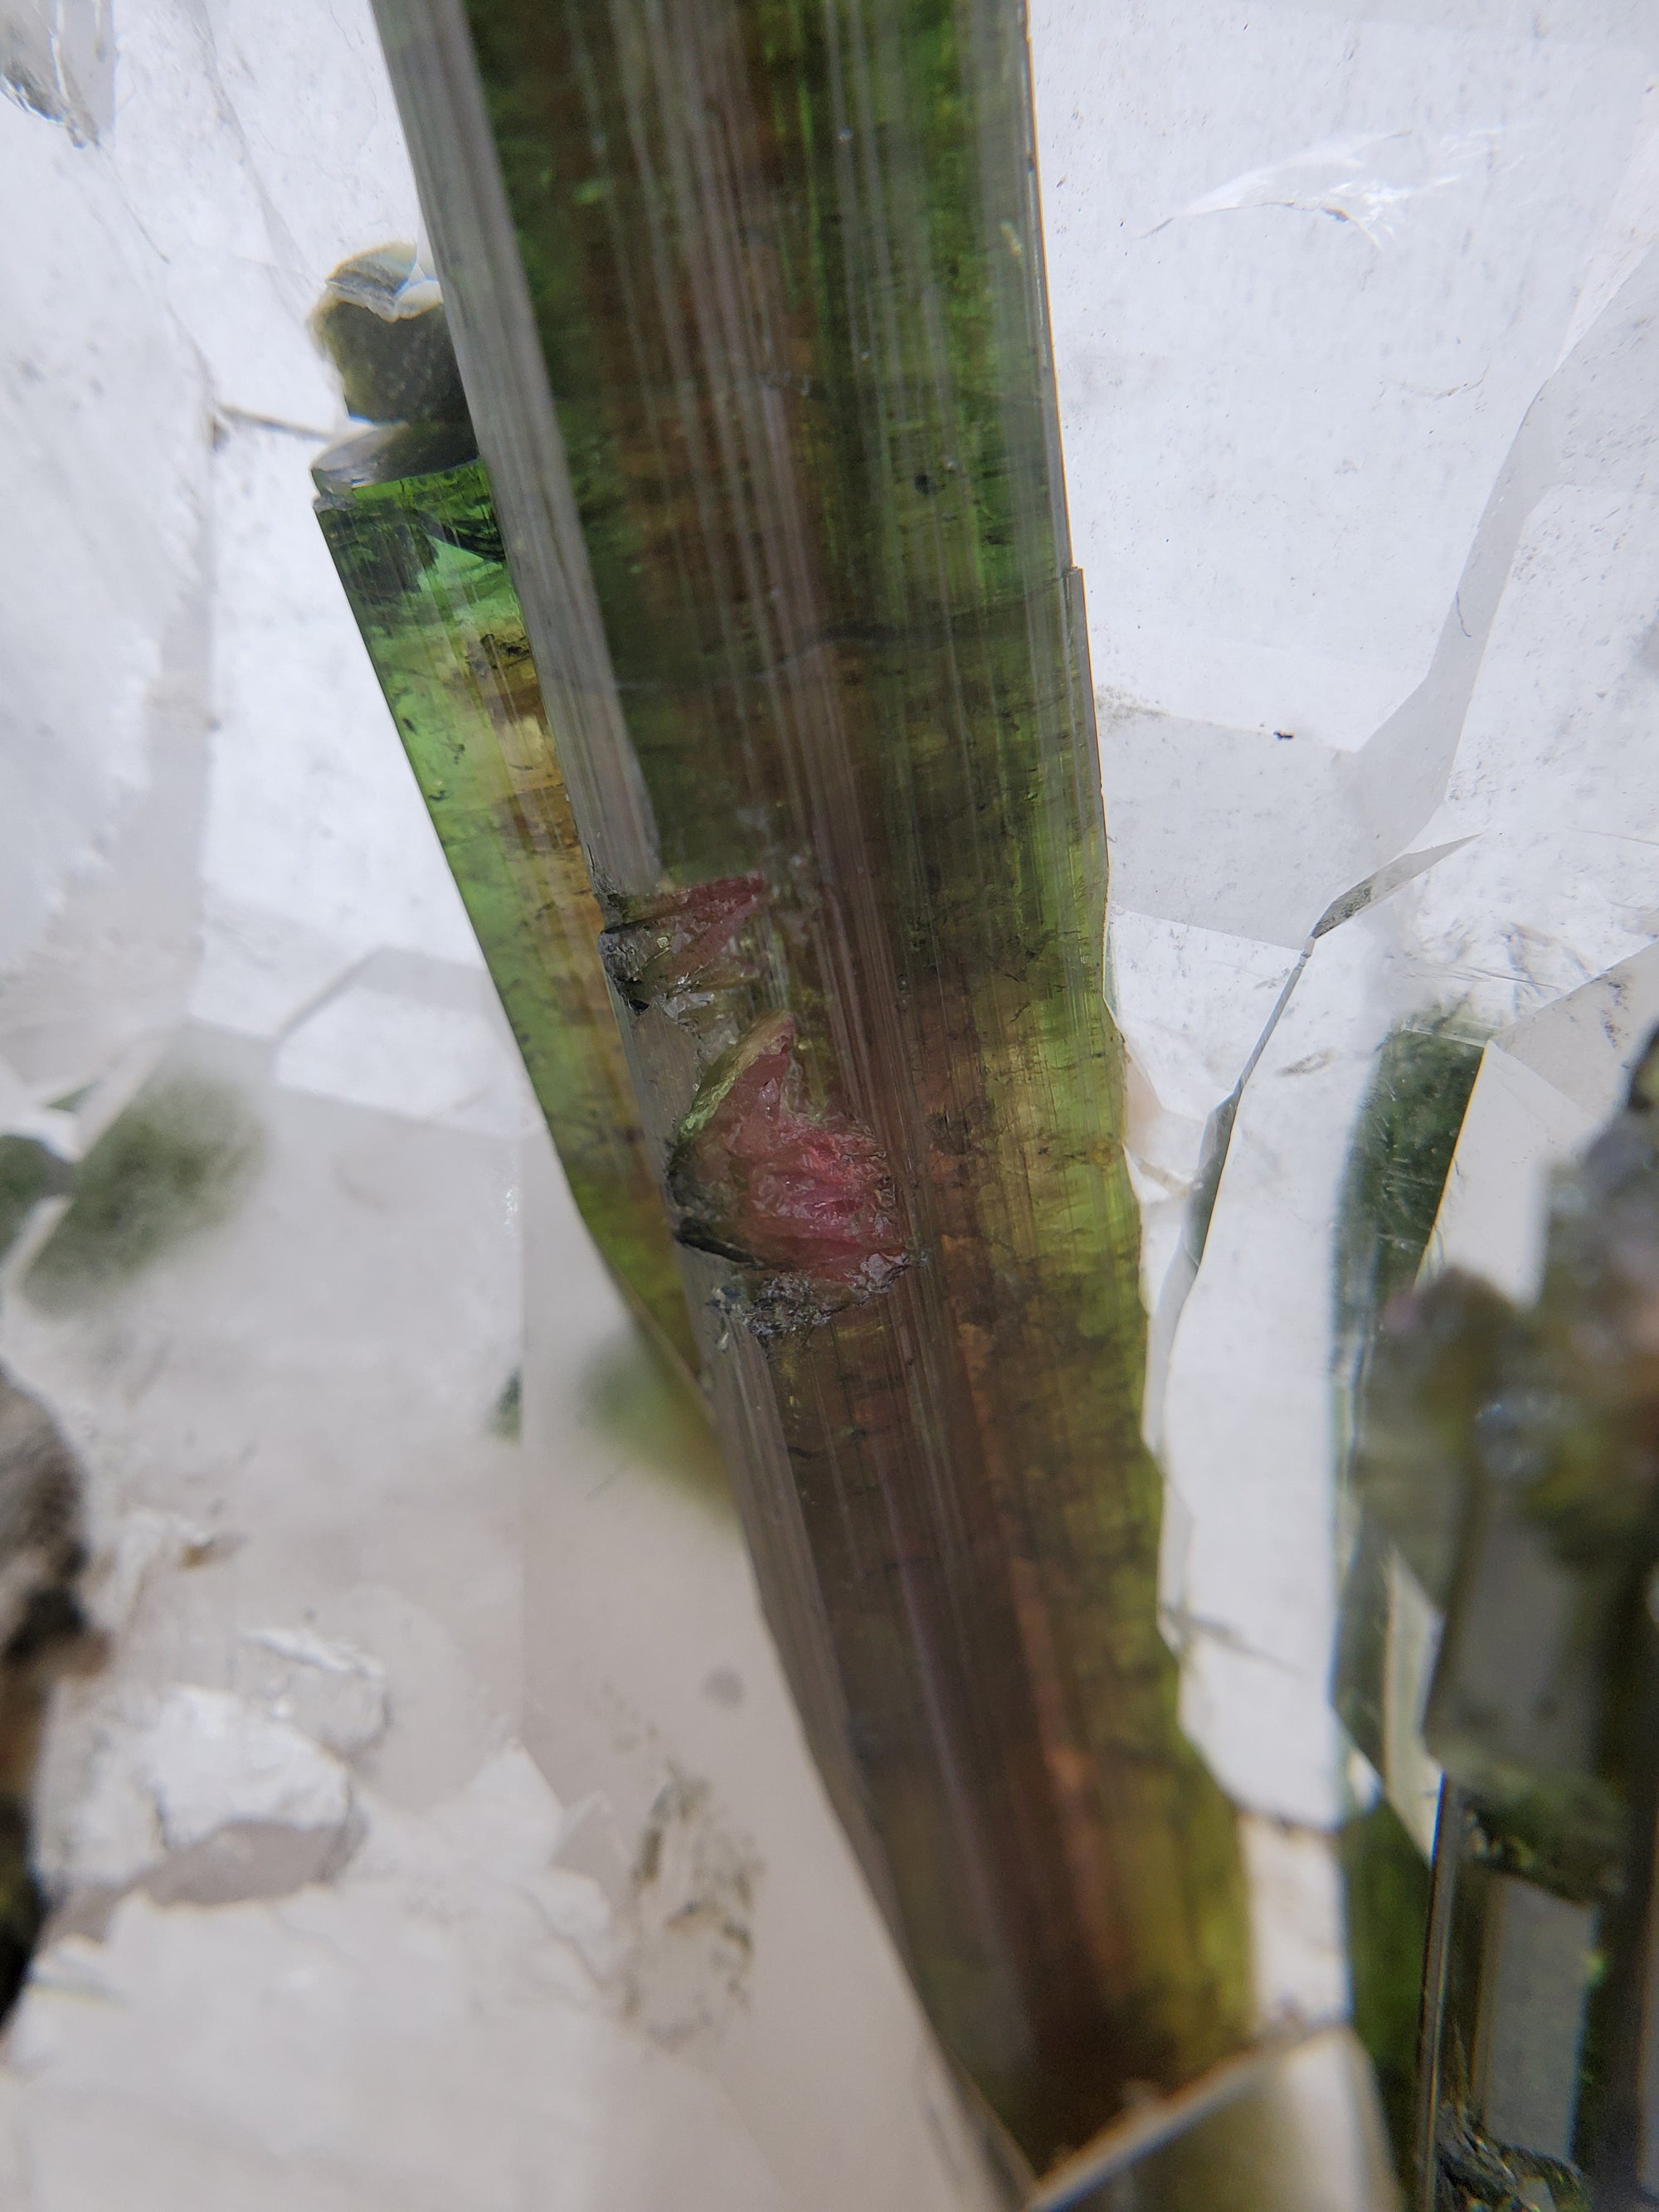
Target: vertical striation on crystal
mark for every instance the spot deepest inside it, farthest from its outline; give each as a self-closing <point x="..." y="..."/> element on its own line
<point x="1398" y="1164"/>
<point x="1510" y="1455"/>
<point x="843" y="808"/>
<point x="407" y="511"/>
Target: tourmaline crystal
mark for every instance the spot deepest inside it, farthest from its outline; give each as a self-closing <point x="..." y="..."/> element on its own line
<point x="407" y="511"/>
<point x="793" y="549"/>
<point x="1401" y="1155"/>
<point x="1513" y="1456"/>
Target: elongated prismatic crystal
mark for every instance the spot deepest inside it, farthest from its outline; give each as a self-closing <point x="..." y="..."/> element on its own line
<point x="1399" y="1161"/>
<point x="407" y="511"/>
<point x="754" y="340"/>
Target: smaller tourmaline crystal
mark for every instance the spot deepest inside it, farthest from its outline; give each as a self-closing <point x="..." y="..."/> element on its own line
<point x="407" y="511"/>
<point x="1513" y="1457"/>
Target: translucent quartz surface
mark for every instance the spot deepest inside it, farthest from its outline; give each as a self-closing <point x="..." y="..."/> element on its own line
<point x="328" y="1926"/>
<point x="192" y="730"/>
<point x="438" y="1831"/>
<point x="1353" y="316"/>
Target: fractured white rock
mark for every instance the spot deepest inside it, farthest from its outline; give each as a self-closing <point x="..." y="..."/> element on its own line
<point x="169" y="1774"/>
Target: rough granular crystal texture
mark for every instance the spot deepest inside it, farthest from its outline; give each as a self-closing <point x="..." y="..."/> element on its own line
<point x="819" y="634"/>
<point x="778" y="1190"/>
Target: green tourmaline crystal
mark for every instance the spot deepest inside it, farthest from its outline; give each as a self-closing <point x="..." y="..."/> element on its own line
<point x="793" y="549"/>
<point x="408" y="519"/>
<point x="1401" y="1156"/>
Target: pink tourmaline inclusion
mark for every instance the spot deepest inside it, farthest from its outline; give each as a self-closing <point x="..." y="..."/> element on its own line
<point x="769" y="1185"/>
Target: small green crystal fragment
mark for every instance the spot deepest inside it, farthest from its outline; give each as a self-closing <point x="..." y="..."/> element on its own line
<point x="381" y="321"/>
<point x="1406" y="1526"/>
<point x="1386" y="1883"/>
<point x="1397" y="1168"/>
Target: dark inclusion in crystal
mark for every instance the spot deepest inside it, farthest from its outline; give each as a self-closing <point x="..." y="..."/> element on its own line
<point x="683" y="942"/>
<point x="382" y="322"/>
<point x="759" y="1179"/>
<point x="42" y="1632"/>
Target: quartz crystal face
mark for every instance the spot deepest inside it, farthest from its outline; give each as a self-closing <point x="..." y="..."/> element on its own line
<point x="1354" y="389"/>
<point x="1400" y="641"/>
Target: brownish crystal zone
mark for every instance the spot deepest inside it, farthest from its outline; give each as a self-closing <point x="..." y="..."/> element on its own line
<point x="785" y="271"/>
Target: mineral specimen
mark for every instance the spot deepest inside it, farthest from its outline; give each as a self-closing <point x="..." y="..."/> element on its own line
<point x="792" y="546"/>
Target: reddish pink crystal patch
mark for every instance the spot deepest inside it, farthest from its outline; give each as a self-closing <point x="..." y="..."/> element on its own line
<point x="682" y="941"/>
<point x="770" y="1185"/>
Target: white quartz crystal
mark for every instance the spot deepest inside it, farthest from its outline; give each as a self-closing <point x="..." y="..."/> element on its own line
<point x="1353" y="310"/>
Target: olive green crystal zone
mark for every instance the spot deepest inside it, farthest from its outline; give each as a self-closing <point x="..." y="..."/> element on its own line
<point x="1399" y="1158"/>
<point x="785" y="275"/>
<point x="1386" y="1885"/>
<point x="446" y="636"/>
<point x="1398" y="1162"/>
<point x="850" y="292"/>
